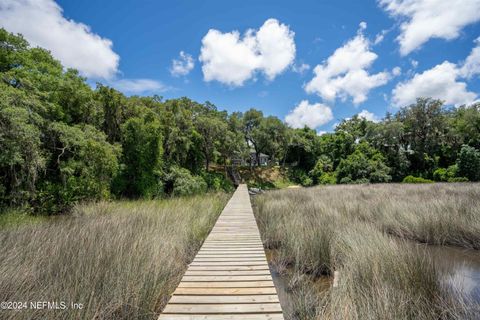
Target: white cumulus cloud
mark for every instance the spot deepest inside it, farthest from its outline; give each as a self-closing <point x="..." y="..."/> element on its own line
<point x="42" y="23"/>
<point x="422" y="20"/>
<point x="310" y="115"/>
<point x="138" y="86"/>
<point x="440" y="82"/>
<point x="233" y="59"/>
<point x="471" y="65"/>
<point x="344" y="74"/>
<point x="367" y="115"/>
<point x="183" y="65"/>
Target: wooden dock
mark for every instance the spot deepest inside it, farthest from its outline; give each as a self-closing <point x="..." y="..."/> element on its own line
<point x="229" y="277"/>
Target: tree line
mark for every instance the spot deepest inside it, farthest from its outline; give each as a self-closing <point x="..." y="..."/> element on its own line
<point x="62" y="142"/>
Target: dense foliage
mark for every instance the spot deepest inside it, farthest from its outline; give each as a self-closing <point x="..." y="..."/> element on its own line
<point x="63" y="142"/>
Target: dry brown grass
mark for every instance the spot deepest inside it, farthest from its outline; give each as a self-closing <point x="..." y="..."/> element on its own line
<point x="349" y="229"/>
<point x="121" y="260"/>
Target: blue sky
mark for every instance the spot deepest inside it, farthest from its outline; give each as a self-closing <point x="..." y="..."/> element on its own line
<point x="428" y="48"/>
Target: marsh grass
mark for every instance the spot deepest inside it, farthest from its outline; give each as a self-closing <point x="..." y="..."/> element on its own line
<point x="121" y="260"/>
<point x="357" y="231"/>
<point x="17" y="217"/>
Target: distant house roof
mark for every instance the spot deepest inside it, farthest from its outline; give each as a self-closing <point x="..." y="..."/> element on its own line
<point x="263" y="155"/>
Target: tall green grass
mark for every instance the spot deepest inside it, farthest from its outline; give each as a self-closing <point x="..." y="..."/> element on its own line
<point x="17" y="217"/>
<point x="348" y="230"/>
<point x="121" y="260"/>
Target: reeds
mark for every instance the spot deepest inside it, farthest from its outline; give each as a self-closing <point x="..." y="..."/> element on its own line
<point x="120" y="260"/>
<point x="357" y="231"/>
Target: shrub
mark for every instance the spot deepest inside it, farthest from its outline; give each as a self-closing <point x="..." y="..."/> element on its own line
<point x="217" y="181"/>
<point x="323" y="165"/>
<point x="327" y="178"/>
<point x="412" y="179"/>
<point x="440" y="175"/>
<point x="443" y="175"/>
<point x="306" y="181"/>
<point x="299" y="176"/>
<point x="180" y="182"/>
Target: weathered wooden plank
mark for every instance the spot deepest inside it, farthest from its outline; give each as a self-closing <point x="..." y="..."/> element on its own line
<point x="227" y="272"/>
<point x="229" y="268"/>
<point x="231" y="250"/>
<point x="218" y="291"/>
<point x="230" y="259"/>
<point x="233" y="243"/>
<point x="246" y="247"/>
<point x="261" y="298"/>
<point x="223" y="308"/>
<point x="224" y="252"/>
<point x="229" y="263"/>
<point x="258" y="316"/>
<point x="236" y="253"/>
<point x="226" y="255"/>
<point x="227" y="284"/>
<point x="226" y="278"/>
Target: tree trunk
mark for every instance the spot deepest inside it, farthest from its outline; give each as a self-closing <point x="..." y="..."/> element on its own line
<point x="257" y="154"/>
<point x="284" y="158"/>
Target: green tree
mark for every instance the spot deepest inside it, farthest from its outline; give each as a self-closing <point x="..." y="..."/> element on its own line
<point x="141" y="158"/>
<point x="365" y="164"/>
<point x="77" y="100"/>
<point x="304" y="148"/>
<point x="355" y="127"/>
<point x="12" y="49"/>
<point x="22" y="159"/>
<point x="212" y="131"/>
<point x="114" y="111"/>
<point x="251" y="123"/>
<point x="336" y="145"/>
<point x="469" y="163"/>
<point x="466" y="125"/>
<point x="424" y="134"/>
<point x="271" y="137"/>
<point x="81" y="166"/>
<point x="388" y="137"/>
<point x="178" y="132"/>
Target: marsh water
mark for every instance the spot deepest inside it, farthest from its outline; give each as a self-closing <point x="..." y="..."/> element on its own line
<point x="460" y="270"/>
<point x="283" y="283"/>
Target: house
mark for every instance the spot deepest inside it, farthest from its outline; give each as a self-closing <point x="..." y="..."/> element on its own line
<point x="263" y="160"/>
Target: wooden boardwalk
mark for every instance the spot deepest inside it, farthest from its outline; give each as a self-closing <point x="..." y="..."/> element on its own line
<point x="229" y="278"/>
